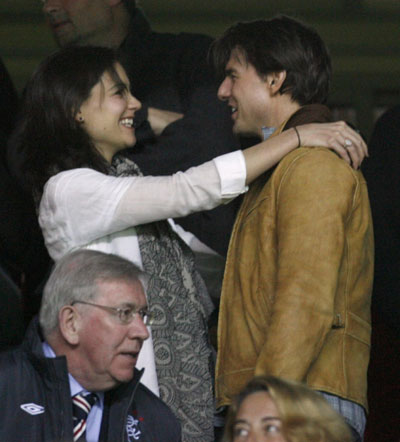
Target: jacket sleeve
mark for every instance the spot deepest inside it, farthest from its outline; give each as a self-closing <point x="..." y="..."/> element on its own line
<point x="315" y="198"/>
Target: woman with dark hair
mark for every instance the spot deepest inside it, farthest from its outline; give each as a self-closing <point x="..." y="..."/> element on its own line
<point x="78" y="114"/>
<point x="271" y="409"/>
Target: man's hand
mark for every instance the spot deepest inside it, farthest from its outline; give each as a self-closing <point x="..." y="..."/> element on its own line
<point x="160" y="119"/>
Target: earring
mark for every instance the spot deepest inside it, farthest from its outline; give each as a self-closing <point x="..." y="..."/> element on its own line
<point x="80" y="119"/>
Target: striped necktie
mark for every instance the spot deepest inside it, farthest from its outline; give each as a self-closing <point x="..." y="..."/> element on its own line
<point x="81" y="406"/>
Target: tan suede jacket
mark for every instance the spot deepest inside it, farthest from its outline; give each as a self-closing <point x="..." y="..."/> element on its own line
<point x="296" y="295"/>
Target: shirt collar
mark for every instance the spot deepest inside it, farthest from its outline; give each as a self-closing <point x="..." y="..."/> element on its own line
<point x="74" y="386"/>
<point x="267" y="132"/>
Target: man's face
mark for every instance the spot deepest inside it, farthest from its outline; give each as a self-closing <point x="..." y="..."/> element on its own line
<point x="247" y="94"/>
<point x="108" y="349"/>
<point x="80" y="22"/>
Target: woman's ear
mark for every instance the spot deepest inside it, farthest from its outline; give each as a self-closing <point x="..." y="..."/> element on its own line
<point x="69" y="322"/>
<point x="79" y="117"/>
<point x="275" y="81"/>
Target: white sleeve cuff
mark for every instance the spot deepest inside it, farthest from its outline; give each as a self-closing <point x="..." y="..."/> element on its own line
<point x="231" y="168"/>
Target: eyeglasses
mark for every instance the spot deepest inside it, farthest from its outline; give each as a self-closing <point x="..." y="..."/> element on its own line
<point x="125" y="314"/>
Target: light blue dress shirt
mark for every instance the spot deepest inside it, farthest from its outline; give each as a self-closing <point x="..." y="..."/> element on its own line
<point x="93" y="423"/>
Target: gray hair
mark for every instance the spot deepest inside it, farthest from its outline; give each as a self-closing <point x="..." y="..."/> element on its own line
<point x="76" y="277"/>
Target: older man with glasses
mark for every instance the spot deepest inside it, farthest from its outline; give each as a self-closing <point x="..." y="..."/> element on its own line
<point x="74" y="376"/>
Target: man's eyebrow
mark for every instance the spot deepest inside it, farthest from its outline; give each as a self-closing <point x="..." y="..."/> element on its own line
<point x="134" y="306"/>
<point x="229" y="71"/>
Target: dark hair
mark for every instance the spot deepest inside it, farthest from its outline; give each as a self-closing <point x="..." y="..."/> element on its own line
<point x="281" y="43"/>
<point x="49" y="137"/>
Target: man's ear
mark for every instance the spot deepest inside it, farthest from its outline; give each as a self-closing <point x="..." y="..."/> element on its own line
<point x="275" y="80"/>
<point x="69" y="321"/>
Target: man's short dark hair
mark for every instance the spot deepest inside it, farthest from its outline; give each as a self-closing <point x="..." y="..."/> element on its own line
<point x="281" y="43"/>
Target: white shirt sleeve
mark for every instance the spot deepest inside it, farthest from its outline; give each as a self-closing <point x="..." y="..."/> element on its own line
<point x="204" y="187"/>
<point x="81" y="205"/>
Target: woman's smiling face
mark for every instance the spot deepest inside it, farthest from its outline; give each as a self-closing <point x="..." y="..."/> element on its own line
<point x="108" y="114"/>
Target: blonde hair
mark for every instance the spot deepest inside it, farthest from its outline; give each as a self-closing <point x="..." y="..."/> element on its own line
<point x="305" y="415"/>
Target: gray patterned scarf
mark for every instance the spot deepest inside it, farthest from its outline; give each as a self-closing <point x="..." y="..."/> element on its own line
<point x="178" y="297"/>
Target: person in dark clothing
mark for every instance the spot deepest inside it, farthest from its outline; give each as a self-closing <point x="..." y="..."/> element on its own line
<point x="381" y="171"/>
<point x="92" y="325"/>
<point x="9" y="102"/>
<point x="11" y="315"/>
<point x="23" y="256"/>
<point x="9" y="197"/>
<point x="168" y="73"/>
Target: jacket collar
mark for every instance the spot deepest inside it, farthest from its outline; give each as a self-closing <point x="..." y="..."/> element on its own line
<point x="310" y="113"/>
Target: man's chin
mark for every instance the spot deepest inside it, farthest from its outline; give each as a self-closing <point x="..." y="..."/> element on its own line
<point x="237" y="129"/>
<point x="66" y="37"/>
<point x="125" y="376"/>
<point x="64" y="41"/>
<point x="116" y="380"/>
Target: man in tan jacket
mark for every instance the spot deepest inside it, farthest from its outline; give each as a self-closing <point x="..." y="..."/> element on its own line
<point x="296" y="295"/>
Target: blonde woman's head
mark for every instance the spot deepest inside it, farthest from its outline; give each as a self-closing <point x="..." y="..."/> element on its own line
<point x="277" y="410"/>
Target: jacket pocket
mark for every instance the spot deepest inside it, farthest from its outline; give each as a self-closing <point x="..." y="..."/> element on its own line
<point x="357" y="328"/>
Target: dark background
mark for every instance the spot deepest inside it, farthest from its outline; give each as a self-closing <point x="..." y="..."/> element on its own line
<point x="362" y="35"/>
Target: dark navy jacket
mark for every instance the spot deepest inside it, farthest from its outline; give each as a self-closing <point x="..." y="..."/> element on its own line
<point x="36" y="403"/>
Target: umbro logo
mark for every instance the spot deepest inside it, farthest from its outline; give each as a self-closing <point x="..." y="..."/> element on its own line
<point x="32" y="409"/>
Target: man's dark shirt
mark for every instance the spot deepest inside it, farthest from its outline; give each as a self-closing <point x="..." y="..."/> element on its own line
<point x="171" y="72"/>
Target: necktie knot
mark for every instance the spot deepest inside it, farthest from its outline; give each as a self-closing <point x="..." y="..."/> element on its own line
<point x="81" y="406"/>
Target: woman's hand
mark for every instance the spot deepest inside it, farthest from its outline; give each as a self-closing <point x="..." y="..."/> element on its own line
<point x="339" y="137"/>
